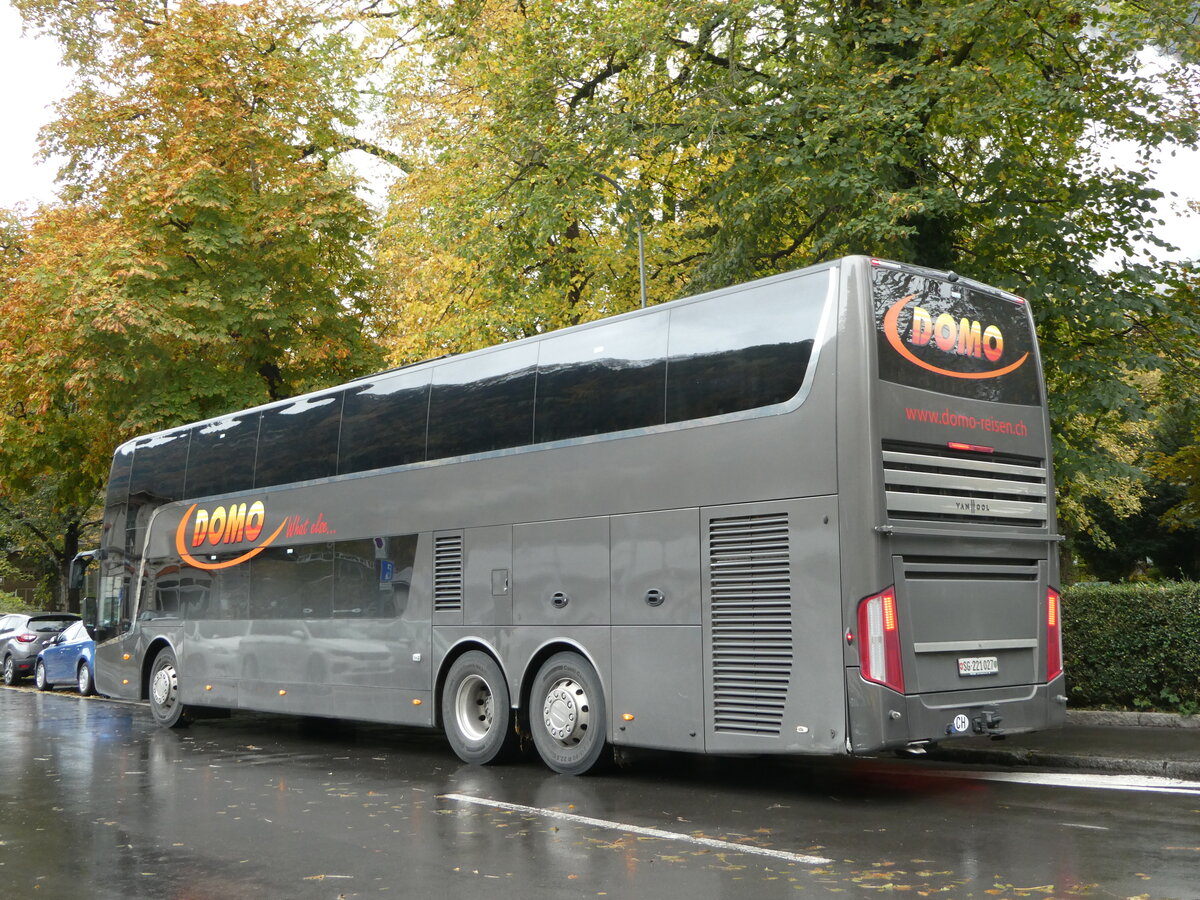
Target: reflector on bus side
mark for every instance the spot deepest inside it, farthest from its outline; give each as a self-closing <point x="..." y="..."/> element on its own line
<point x="879" y="640"/>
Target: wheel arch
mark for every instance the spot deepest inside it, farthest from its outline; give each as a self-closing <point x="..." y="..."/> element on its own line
<point x="156" y="647"/>
<point x="459" y="649"/>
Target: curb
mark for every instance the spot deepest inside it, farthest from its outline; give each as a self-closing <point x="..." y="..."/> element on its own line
<point x="1156" y="767"/>
<point x="1110" y="765"/>
<point x="1101" y="717"/>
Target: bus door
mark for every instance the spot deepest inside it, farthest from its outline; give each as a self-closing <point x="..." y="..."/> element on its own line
<point x="116" y="662"/>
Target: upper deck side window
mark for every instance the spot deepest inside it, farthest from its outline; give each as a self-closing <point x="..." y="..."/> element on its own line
<point x="384" y="422"/>
<point x="483" y="403"/>
<point x="158" y="468"/>
<point x="222" y="456"/>
<point x="743" y="350"/>
<point x="298" y="441"/>
<point x="603" y="379"/>
<point x="729" y="353"/>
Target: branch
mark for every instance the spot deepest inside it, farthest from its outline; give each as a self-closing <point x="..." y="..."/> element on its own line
<point x="803" y="236"/>
<point x="112" y="6"/>
<point x="721" y="61"/>
<point x="18" y="518"/>
<point x="372" y="11"/>
<point x="588" y="88"/>
<point x="349" y="142"/>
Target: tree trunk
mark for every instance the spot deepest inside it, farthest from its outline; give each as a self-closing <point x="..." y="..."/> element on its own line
<point x="68" y="596"/>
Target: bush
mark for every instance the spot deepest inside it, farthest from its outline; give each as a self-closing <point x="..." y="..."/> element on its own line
<point x="1133" y="646"/>
<point x="11" y="603"/>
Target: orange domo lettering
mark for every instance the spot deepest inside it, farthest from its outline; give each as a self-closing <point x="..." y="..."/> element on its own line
<point x="993" y="343"/>
<point x="960" y="337"/>
<point x="965" y="337"/>
<point x="230" y="524"/>
<point x="255" y="520"/>
<point x="922" y="326"/>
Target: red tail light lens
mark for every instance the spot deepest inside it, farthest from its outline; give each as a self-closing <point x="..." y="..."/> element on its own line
<point x="971" y="448"/>
<point x="1054" y="666"/>
<point x="879" y="640"/>
<point x="27" y="638"/>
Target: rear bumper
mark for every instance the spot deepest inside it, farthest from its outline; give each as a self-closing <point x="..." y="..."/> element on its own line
<point x="987" y="713"/>
<point x="881" y="719"/>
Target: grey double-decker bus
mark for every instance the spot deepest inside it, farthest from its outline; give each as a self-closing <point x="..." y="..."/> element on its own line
<point x="812" y="514"/>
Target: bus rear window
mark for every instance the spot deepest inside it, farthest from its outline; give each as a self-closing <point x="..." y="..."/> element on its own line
<point x="952" y="338"/>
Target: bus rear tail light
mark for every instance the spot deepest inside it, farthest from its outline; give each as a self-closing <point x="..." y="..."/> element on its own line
<point x="969" y="448"/>
<point x="1054" y="666"/>
<point x="879" y="640"/>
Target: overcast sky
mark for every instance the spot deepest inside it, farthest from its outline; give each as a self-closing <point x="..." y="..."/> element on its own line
<point x="31" y="80"/>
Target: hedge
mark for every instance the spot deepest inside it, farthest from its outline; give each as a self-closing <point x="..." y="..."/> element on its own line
<point x="1133" y="646"/>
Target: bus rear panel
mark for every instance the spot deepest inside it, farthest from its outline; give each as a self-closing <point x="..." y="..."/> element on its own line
<point x="956" y="630"/>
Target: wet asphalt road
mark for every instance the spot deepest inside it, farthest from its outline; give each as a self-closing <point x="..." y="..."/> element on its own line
<point x="96" y="802"/>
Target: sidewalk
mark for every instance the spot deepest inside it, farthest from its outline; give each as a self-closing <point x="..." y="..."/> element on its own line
<point x="1113" y="742"/>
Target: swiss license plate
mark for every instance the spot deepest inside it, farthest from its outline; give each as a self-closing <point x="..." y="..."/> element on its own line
<point x="978" y="665"/>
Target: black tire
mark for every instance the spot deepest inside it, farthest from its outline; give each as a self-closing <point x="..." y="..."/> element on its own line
<point x="39" y="677"/>
<point x="10" y="671"/>
<point x="568" y="716"/>
<point x="83" y="680"/>
<point x="164" y="692"/>
<point x="477" y="710"/>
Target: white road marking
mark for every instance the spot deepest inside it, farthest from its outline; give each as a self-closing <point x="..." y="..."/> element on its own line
<point x="711" y="843"/>
<point x="1151" y="784"/>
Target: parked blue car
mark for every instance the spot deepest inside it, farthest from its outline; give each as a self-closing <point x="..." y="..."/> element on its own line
<point x="68" y="658"/>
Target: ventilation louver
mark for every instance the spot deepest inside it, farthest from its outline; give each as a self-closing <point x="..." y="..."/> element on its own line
<point x="936" y="484"/>
<point x="750" y="576"/>
<point x="447" y="572"/>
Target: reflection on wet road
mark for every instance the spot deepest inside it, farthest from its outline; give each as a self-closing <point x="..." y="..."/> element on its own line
<point x="95" y="801"/>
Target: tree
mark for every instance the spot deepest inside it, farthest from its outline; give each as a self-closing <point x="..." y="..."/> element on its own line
<point x="750" y="138"/>
<point x="45" y="505"/>
<point x="1156" y="538"/>
<point x="210" y="252"/>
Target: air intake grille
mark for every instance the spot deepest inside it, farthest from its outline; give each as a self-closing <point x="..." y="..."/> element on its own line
<point x="447" y="572"/>
<point x="941" y="485"/>
<point x="750" y="574"/>
<point x="968" y="568"/>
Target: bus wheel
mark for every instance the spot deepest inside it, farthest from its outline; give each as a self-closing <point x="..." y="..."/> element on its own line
<point x="567" y="715"/>
<point x="477" y="711"/>
<point x="164" y="692"/>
